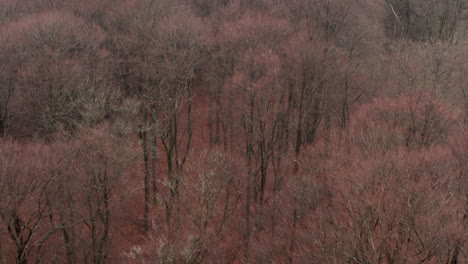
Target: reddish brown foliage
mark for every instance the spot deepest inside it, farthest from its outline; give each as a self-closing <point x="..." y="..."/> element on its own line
<point x="233" y="131"/>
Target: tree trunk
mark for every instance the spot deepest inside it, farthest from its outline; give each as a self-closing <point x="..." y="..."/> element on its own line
<point x="143" y="134"/>
<point x="154" y="160"/>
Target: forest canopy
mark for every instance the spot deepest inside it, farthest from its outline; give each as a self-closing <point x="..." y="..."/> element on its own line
<point x="233" y="131"/>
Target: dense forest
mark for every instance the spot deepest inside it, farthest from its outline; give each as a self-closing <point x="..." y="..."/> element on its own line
<point x="234" y="131"/>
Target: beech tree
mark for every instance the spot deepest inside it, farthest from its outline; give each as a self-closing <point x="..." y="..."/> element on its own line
<point x="261" y="114"/>
<point x="5" y="91"/>
<point x="163" y="58"/>
<point x="253" y="102"/>
<point x="425" y="20"/>
<point x="8" y="66"/>
<point x="134" y="29"/>
<point x="210" y="198"/>
<point x="27" y="197"/>
<point x="180" y="50"/>
<point x="101" y="164"/>
<point x="50" y="71"/>
<point x="233" y="131"/>
<point x="308" y="81"/>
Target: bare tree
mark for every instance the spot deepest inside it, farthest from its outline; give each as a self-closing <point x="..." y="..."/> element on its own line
<point x="425" y="20"/>
<point x="28" y="177"/>
<point x="167" y="91"/>
<point x="100" y="163"/>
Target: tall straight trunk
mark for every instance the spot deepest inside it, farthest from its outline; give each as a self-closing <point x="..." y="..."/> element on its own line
<point x="248" y="126"/>
<point x="248" y="204"/>
<point x="210" y="121"/>
<point x="168" y="150"/>
<point x="69" y="236"/>
<point x="171" y="146"/>
<point x="2" y="258"/>
<point x="298" y="142"/>
<point x="292" y="242"/>
<point x="105" y="215"/>
<point x="231" y="130"/>
<point x="143" y="133"/>
<point x="299" y="128"/>
<point x="263" y="169"/>
<point x="175" y="136"/>
<point x="154" y="160"/>
<point x="4" y="108"/>
<point x="315" y="117"/>
<point x="189" y="132"/>
<point x="99" y="215"/>
<point x="218" y="117"/>
<point x="455" y="254"/>
<point x="2" y="126"/>
<point x="225" y="136"/>
<point x="345" y="105"/>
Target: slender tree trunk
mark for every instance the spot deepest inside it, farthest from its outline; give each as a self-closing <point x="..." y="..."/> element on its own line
<point x="299" y="129"/>
<point x="154" y="160"/>
<point x="263" y="168"/>
<point x="456" y="253"/>
<point x="225" y="136"/>
<point x="144" y="144"/>
<point x="218" y="117"/>
<point x="69" y="233"/>
<point x="248" y="126"/>
<point x="2" y="259"/>
<point x="230" y="119"/>
<point x="105" y="218"/>
<point x="292" y="242"/>
<point x="2" y="126"/>
<point x="20" y="237"/>
<point x="99" y="214"/>
<point x="210" y="121"/>
<point x="189" y="132"/>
